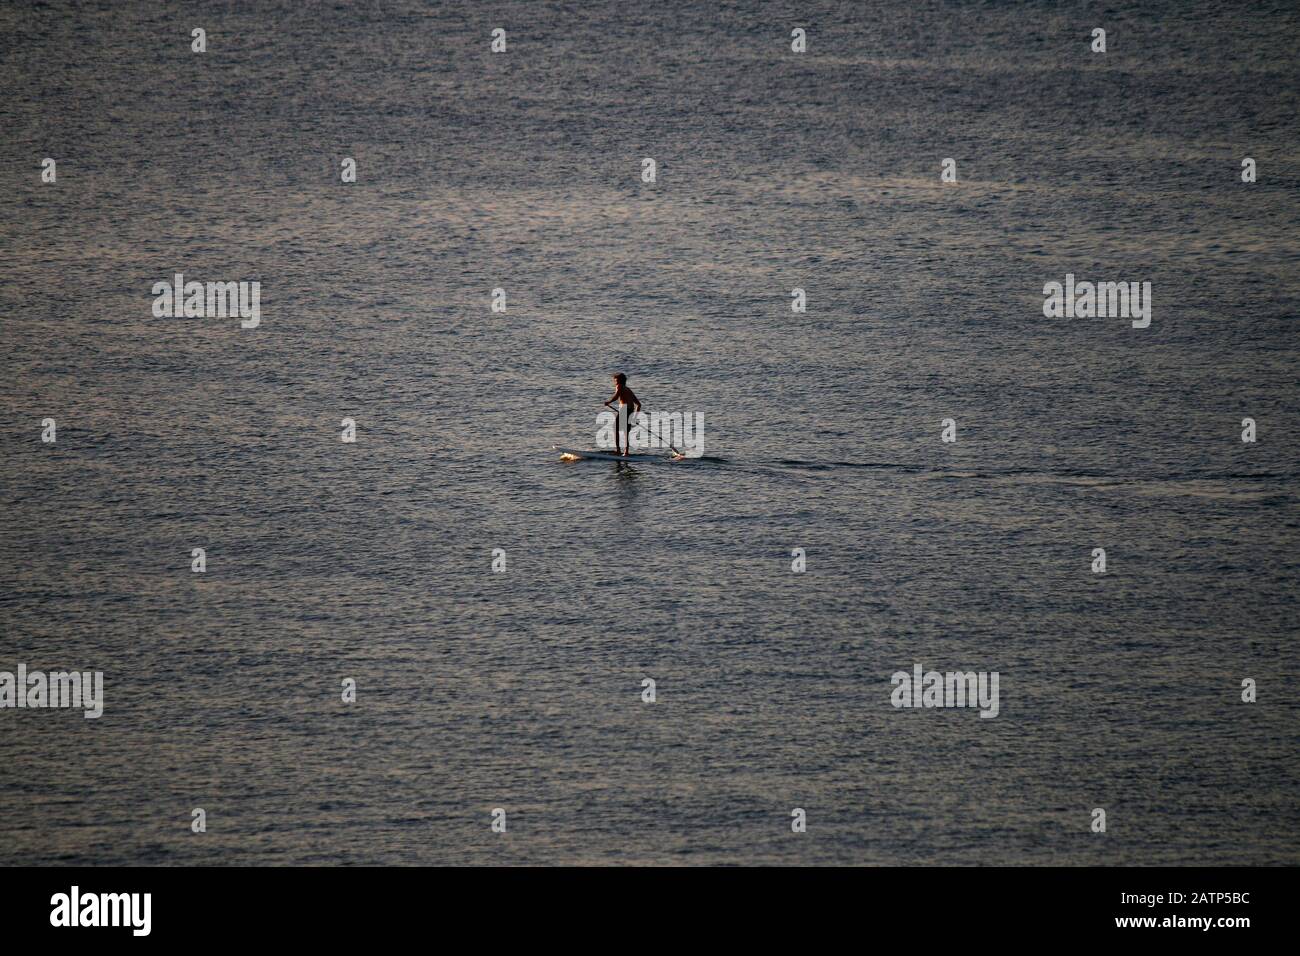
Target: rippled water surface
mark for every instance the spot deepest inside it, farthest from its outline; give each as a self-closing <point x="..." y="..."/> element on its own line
<point x="521" y="690"/>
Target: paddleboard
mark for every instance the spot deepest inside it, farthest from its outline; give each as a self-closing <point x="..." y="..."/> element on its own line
<point x="575" y="453"/>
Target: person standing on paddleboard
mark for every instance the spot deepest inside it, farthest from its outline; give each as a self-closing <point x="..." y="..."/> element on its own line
<point x="628" y="405"/>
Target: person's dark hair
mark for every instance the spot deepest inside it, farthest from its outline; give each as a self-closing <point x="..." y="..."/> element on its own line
<point x="620" y="377"/>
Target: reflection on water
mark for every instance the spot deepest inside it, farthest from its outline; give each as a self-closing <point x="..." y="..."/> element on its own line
<point x="372" y="560"/>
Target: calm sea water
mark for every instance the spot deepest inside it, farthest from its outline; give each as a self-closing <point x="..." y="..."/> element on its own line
<point x="521" y="690"/>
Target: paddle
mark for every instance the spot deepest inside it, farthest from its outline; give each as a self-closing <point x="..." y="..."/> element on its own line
<point x="661" y="438"/>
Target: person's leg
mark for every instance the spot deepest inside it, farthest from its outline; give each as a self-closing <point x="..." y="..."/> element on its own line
<point x="618" y="426"/>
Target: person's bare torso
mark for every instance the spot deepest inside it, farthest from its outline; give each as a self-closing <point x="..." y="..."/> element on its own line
<point x="624" y="396"/>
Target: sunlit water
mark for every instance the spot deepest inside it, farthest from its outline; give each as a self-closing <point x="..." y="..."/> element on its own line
<point x="521" y="690"/>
